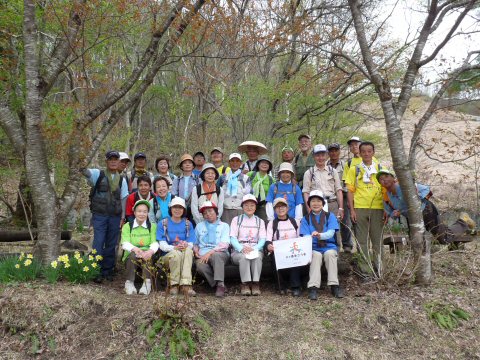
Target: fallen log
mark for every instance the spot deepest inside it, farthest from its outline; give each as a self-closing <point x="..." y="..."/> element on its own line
<point x="24" y="235"/>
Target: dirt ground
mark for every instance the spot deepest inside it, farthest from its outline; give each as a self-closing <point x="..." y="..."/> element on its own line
<point x="374" y="321"/>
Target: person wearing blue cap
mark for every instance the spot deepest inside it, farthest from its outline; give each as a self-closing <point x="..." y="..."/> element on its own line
<point x="139" y="169"/>
<point x="108" y="197"/>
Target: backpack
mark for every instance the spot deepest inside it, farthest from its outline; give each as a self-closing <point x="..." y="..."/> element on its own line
<point x="275" y="226"/>
<point x="165" y="228"/>
<point x="312" y="172"/>
<point x="176" y="182"/>
<point x="152" y="196"/>
<point x="222" y="180"/>
<point x="240" y="220"/>
<point x="199" y="191"/>
<point x="130" y="222"/>
<point x="275" y="190"/>
<point x="357" y="172"/>
<point x="99" y="180"/>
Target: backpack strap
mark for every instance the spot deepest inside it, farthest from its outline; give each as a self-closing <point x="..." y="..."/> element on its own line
<point x="132" y="219"/>
<point x="294" y="223"/>
<point x="239" y="222"/>
<point x="165" y="229"/>
<point x="187" y="229"/>
<point x="275" y="229"/>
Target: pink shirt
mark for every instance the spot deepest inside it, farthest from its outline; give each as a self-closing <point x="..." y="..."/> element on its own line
<point x="251" y="229"/>
<point x="285" y="230"/>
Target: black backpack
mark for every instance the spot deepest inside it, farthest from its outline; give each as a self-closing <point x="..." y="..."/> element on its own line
<point x="275" y="226"/>
<point x="199" y="191"/>
<point x="131" y="220"/>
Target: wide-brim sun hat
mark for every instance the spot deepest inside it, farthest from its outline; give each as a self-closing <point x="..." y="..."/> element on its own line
<point x="249" y="197"/>
<point x="263" y="158"/>
<point x="205" y="168"/>
<point x="285" y="166"/>
<point x="177" y="201"/>
<point x="262" y="149"/>
<point x="186" y="157"/>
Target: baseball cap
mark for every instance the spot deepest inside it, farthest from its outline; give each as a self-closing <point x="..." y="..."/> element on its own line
<point x="217" y="148"/>
<point x="319" y="148"/>
<point x="124" y="156"/>
<point x="112" y="153"/>
<point x="287" y="148"/>
<point x="304" y="136"/>
<point x="334" y="146"/>
<point x="249" y="197"/>
<point x="199" y="153"/>
<point x="139" y="155"/>
<point x="235" y="156"/>
<point x="280" y="200"/>
<point x="354" y="138"/>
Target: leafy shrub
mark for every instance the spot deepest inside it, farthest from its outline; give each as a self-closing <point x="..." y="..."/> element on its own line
<point x="447" y="317"/>
<point x="77" y="269"/>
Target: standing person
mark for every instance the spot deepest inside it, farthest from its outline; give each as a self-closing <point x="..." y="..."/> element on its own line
<point x="124" y="163"/>
<point x="283" y="227"/>
<point x="321" y="226"/>
<point x="107" y="204"/>
<point x="208" y="190"/>
<point x="288" y="190"/>
<point x="143" y="192"/>
<point x="345" y="224"/>
<point x="199" y="160"/>
<point x="216" y="157"/>
<point x="395" y="205"/>
<point x="366" y="208"/>
<point x="163" y="197"/>
<point x="162" y="165"/>
<point x="354" y="148"/>
<point x="139" y="169"/>
<point x="184" y="185"/>
<point x="176" y="237"/>
<point x="211" y="248"/>
<point x="261" y="182"/>
<point x="324" y="178"/>
<point x="253" y="149"/>
<point x="304" y="160"/>
<point x="247" y="236"/>
<point x="139" y="245"/>
<point x="288" y="156"/>
<point x="235" y="185"/>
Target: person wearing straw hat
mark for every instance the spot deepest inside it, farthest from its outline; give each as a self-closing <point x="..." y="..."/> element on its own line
<point x="211" y="248"/>
<point x="207" y="190"/>
<point x="184" y="185"/>
<point x="321" y="226"/>
<point x="235" y="185"/>
<point x="304" y="160"/>
<point x="261" y="182"/>
<point x="287" y="189"/>
<point x="253" y="149"/>
<point x="139" y="245"/>
<point x="283" y="227"/>
<point x="176" y="237"/>
<point x="395" y="205"/>
<point x="247" y="236"/>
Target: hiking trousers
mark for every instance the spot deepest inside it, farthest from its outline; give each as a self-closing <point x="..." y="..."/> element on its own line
<point x="250" y="269"/>
<point x="368" y="231"/>
<point x="330" y="258"/>
<point x="179" y="266"/>
<point x="214" y="270"/>
<point x="106" y="229"/>
<point x="132" y="263"/>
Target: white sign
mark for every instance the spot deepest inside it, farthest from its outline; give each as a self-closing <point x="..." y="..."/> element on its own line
<point x="293" y="252"/>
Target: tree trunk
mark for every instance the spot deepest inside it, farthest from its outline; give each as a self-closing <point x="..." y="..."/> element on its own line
<point x="24" y="210"/>
<point x="43" y="192"/>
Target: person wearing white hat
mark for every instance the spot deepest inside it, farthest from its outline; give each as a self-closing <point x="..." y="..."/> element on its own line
<point x="324" y="178"/>
<point x="283" y="227"/>
<point x="207" y="190"/>
<point x="288" y="190"/>
<point x="211" y="247"/>
<point x="247" y="236"/>
<point x="176" y="237"/>
<point x="321" y="226"/>
<point x="235" y="185"/>
<point x="124" y="162"/>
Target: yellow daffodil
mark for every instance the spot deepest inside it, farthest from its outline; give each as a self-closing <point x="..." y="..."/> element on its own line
<point x="17" y="266"/>
<point x="29" y="256"/>
<point x="94" y="251"/>
<point x="67" y="265"/>
<point x="77" y="255"/>
<point x="63" y="258"/>
<point x="91" y="258"/>
<point x="99" y="257"/>
<point x="54" y="264"/>
<point x="27" y="262"/>
<point x="86" y="269"/>
<point x="80" y="260"/>
<point x="22" y="256"/>
<point x="94" y="265"/>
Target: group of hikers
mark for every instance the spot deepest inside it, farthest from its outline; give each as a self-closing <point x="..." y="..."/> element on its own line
<point x="212" y="214"/>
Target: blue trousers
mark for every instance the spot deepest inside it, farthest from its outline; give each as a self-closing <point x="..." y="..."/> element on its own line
<point x="105" y="237"/>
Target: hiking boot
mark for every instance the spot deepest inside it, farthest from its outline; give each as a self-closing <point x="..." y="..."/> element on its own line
<point x="188" y="290"/>
<point x="337" y="291"/>
<point x="312" y="293"/>
<point x="256" y="289"/>
<point x="245" y="290"/>
<point x="130" y="288"/>
<point x="173" y="290"/>
<point x="296" y="292"/>
<point x="220" y="292"/>
<point x="146" y="287"/>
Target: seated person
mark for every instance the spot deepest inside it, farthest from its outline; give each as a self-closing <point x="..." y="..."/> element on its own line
<point x="176" y="236"/>
<point x="139" y="243"/>
<point x="247" y="235"/>
<point x="144" y="185"/>
<point x="288" y="190"/>
<point x="281" y="228"/>
<point x="395" y="205"/>
<point x="211" y="247"/>
<point x="321" y="226"/>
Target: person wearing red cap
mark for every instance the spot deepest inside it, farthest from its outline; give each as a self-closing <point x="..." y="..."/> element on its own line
<point x="211" y="247"/>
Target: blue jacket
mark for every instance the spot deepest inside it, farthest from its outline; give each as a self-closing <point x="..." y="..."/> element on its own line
<point x="327" y="234"/>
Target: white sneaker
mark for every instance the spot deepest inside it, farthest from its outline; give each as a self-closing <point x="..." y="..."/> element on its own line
<point x="130" y="288"/>
<point x="146" y="287"/>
